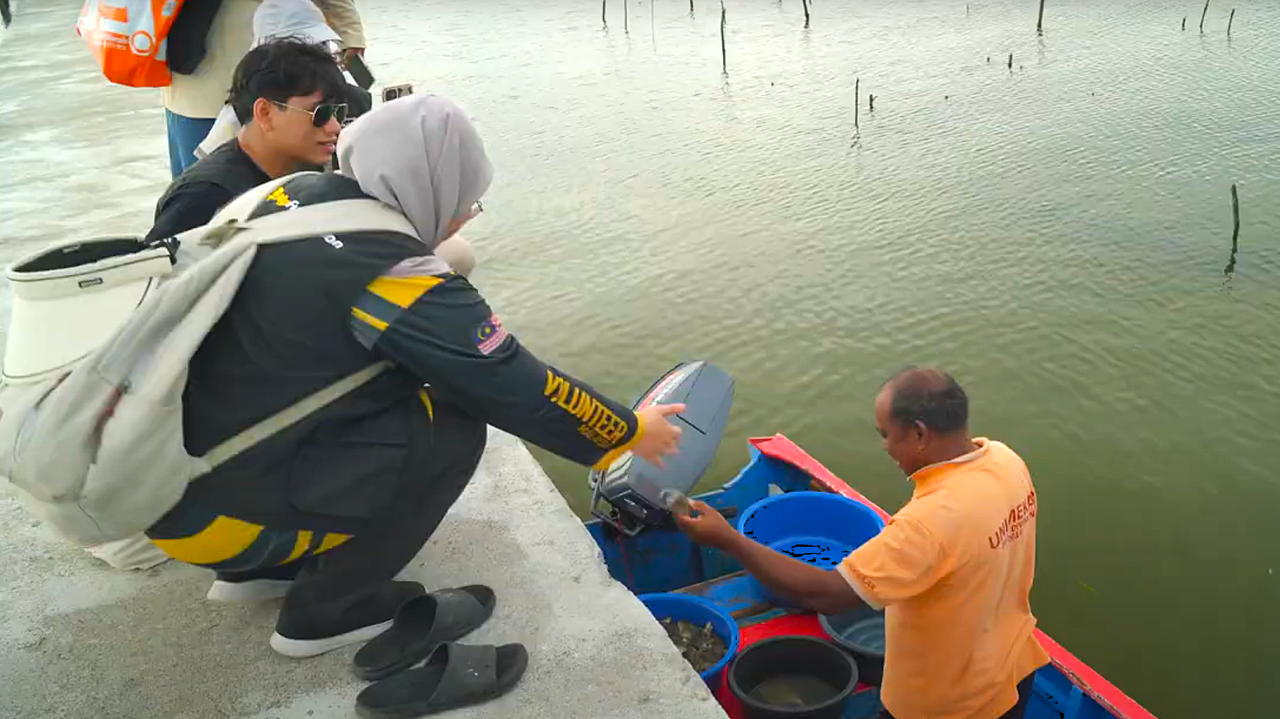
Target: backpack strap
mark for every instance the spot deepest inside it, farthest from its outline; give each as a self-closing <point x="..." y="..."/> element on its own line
<point x="291" y="415"/>
<point x="331" y="218"/>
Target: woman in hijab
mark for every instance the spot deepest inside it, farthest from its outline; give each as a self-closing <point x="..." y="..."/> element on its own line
<point x="373" y="154"/>
<point x="329" y="511"/>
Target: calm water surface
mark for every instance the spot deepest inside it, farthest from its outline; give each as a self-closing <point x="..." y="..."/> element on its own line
<point x="1055" y="236"/>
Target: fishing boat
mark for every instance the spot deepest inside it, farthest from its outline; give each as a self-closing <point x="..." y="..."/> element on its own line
<point x="662" y="559"/>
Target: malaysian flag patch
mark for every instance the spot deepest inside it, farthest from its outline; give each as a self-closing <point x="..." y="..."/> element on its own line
<point x="490" y="335"/>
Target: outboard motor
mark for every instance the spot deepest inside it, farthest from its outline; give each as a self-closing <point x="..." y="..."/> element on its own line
<point x="632" y="494"/>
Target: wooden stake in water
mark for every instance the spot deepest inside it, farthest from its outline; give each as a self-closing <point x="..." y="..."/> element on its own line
<point x="1184" y="23"/>
<point x="1235" y="232"/>
<point x="1203" y="13"/>
<point x="1235" y="216"/>
<point x="857" y="95"/>
<point x="626" y="19"/>
<point x="604" y="18"/>
<point x="653" y="32"/>
<point x="871" y="102"/>
<point x="1010" y="61"/>
<point x="724" y="55"/>
<point x="690" y="8"/>
<point x="1040" y="20"/>
<point x="1231" y="20"/>
<point x="805" y="3"/>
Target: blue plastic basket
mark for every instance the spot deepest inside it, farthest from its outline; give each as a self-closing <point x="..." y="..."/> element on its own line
<point x="698" y="611"/>
<point x="810" y="514"/>
<point x="818" y="527"/>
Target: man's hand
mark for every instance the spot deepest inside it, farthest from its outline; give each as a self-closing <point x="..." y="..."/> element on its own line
<point x="661" y="437"/>
<point x="350" y="53"/>
<point x="707" y="526"/>
<point x="816" y="589"/>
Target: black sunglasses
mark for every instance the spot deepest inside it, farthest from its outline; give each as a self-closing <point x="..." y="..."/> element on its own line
<point x="323" y="113"/>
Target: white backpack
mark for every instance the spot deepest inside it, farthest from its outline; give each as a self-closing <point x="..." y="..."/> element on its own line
<point x="95" y="448"/>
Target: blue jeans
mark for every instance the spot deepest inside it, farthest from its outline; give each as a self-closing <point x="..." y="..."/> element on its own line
<point x="185" y="135"/>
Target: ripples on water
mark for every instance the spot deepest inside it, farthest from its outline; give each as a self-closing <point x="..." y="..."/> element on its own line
<point x="1055" y="235"/>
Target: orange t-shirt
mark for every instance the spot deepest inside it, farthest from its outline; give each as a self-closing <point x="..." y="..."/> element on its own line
<point x="952" y="571"/>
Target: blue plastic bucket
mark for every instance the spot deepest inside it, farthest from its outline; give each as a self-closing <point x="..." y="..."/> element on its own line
<point x="810" y="514"/>
<point x="698" y="611"/>
<point x="821" y="528"/>
<point x="818" y="551"/>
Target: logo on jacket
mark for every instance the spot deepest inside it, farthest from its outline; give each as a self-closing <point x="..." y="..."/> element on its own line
<point x="282" y="199"/>
<point x="490" y="334"/>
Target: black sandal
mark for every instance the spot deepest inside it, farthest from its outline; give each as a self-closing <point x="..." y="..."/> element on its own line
<point x="420" y="625"/>
<point x="454" y="676"/>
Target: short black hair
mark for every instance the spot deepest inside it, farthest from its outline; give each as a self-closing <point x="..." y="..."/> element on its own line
<point x="928" y="396"/>
<point x="282" y="68"/>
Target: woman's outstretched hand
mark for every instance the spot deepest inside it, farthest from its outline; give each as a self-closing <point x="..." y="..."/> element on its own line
<point x="661" y="437"/>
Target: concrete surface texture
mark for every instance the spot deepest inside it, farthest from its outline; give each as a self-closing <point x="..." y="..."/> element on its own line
<point x="81" y="640"/>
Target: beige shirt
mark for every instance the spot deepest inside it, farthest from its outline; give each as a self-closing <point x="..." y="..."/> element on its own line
<point x="203" y="93"/>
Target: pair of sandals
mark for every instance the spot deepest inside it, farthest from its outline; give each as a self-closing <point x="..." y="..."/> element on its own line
<point x="453" y="676"/>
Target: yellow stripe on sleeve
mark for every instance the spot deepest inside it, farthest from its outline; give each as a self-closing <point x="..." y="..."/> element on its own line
<point x="224" y="538"/>
<point x="403" y="291"/>
<point x="618" y="451"/>
<point x="367" y="318"/>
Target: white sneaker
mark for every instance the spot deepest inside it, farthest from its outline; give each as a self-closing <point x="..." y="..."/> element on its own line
<point x="253" y="590"/>
<point x="311" y="631"/>
<point x="255" y="585"/>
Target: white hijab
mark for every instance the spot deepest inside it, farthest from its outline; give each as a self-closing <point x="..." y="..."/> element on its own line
<point x="421" y="155"/>
<point x="291" y="18"/>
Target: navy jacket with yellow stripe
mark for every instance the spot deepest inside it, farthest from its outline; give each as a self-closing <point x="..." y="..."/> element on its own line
<point x="311" y="312"/>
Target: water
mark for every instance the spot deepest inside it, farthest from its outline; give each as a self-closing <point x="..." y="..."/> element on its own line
<point x="867" y="635"/>
<point x="793" y="691"/>
<point x="814" y="550"/>
<point x="1055" y="236"/>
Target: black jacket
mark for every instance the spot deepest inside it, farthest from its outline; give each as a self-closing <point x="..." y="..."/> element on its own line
<point x="196" y="195"/>
<point x="313" y="311"/>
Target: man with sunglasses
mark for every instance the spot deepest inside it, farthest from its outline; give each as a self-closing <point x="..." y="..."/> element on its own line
<point x="290" y="97"/>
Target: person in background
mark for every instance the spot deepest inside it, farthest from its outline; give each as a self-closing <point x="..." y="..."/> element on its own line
<point x="952" y="570"/>
<point x="328" y="513"/>
<point x="294" y="100"/>
<point x="276" y="19"/>
<point x="289" y="93"/>
<point x="206" y="42"/>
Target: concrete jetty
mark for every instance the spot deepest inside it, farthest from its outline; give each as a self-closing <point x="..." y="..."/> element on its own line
<point x="84" y="641"/>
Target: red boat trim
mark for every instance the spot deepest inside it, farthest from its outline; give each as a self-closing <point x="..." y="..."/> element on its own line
<point x="1092" y="683"/>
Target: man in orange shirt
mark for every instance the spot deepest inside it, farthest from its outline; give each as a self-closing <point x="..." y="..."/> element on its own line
<point x="952" y="569"/>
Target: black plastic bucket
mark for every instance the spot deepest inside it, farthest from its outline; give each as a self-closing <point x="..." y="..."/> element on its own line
<point x="861" y="632"/>
<point x="793" y="677"/>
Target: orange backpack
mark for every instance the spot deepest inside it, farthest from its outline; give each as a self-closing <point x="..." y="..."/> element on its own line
<point x="128" y="38"/>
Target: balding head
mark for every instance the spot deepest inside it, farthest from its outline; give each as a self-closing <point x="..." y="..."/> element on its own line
<point x="929" y="396"/>
<point x="922" y="415"/>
